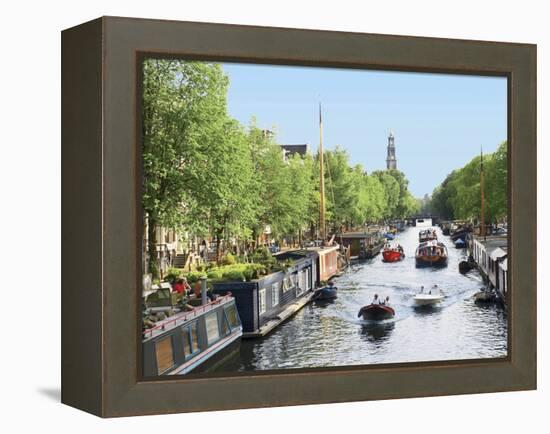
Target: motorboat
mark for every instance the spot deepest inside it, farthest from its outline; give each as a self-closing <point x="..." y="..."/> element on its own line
<point x="433" y="296"/>
<point x="392" y="253"/>
<point x="431" y="254"/>
<point x="427" y="235"/>
<point x="377" y="311"/>
<point x="329" y="292"/>
<point x="460" y="243"/>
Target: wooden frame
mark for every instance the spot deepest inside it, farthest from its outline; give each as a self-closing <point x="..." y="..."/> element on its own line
<point x="100" y="181"/>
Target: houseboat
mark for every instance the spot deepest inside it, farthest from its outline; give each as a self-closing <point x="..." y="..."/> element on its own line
<point x="460" y="232"/>
<point x="193" y="340"/>
<point x="431" y="254"/>
<point x="363" y="245"/>
<point x="265" y="303"/>
<point x="490" y="253"/>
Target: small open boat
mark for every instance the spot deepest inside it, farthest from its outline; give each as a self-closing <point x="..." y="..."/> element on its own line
<point x="393" y="253"/>
<point x="325" y="293"/>
<point x="376" y="312"/>
<point x="485" y="296"/>
<point x="431" y="254"/>
<point x="431" y="297"/>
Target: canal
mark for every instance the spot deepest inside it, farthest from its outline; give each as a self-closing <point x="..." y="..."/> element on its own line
<point x="331" y="334"/>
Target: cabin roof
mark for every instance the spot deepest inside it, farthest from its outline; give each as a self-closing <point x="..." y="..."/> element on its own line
<point x="323" y="250"/>
<point x="498" y="253"/>
<point x="493" y="242"/>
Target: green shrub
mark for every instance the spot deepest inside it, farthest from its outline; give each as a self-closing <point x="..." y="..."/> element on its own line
<point x="228" y="259"/>
<point x="215" y="274"/>
<point x="172" y="274"/>
<point x="249" y="274"/>
<point x="235" y="275"/>
<point x="193" y="276"/>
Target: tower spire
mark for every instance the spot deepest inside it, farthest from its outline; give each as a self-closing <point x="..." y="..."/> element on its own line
<point x="391" y="160"/>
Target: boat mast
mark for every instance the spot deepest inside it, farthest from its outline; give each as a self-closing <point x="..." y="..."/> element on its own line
<point x="322" y="225"/>
<point x="482" y="187"/>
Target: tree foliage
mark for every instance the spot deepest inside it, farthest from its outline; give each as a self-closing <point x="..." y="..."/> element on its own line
<point x="459" y="196"/>
<point x="208" y="176"/>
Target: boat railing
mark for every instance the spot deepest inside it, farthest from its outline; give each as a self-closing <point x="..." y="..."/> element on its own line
<point x="183" y="317"/>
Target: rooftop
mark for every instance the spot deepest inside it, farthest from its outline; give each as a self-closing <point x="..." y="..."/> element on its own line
<point x="493" y="242"/>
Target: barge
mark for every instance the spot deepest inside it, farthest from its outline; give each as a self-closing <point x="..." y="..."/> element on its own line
<point x="192" y="340"/>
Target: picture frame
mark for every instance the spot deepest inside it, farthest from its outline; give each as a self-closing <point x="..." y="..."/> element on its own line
<point x="100" y="202"/>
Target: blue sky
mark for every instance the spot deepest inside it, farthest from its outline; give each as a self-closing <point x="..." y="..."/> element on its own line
<point x="439" y="121"/>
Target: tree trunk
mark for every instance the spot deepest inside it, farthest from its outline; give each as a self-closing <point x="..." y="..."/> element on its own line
<point x="152" y="246"/>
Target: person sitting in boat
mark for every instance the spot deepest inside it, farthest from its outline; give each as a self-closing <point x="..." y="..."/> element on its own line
<point x="181" y="286"/>
<point x="375" y="299"/>
<point x="387" y="300"/>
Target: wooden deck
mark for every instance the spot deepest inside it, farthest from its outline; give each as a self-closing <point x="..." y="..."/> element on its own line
<point x="273" y="323"/>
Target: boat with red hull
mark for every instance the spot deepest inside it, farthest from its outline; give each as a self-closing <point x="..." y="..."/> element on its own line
<point x="376" y="312"/>
<point x="393" y="254"/>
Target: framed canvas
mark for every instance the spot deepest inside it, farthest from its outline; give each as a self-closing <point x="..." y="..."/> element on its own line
<point x="124" y="353"/>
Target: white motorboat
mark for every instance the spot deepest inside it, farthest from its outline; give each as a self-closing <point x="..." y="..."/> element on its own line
<point x="431" y="297"/>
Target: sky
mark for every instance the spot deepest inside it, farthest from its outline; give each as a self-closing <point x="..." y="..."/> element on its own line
<point x="439" y="121"/>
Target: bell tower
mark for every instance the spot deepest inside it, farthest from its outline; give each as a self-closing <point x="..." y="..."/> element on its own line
<point x="391" y="161"/>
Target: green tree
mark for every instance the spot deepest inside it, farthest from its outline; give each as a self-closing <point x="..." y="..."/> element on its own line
<point x="183" y="103"/>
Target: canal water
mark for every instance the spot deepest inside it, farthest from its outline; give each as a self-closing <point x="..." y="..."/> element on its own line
<point x="331" y="334"/>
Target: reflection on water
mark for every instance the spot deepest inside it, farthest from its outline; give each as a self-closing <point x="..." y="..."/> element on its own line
<point x="329" y="333"/>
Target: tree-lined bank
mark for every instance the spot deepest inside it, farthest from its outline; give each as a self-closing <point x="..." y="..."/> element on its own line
<point x="207" y="176"/>
<point x="459" y="196"/>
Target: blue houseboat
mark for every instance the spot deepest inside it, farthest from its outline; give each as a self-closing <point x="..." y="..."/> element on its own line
<point x="194" y="340"/>
<point x="265" y="303"/>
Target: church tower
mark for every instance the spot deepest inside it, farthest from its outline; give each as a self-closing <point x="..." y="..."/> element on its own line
<point x="391" y="161"/>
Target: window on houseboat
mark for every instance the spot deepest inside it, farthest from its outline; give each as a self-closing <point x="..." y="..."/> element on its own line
<point x="261" y="301"/>
<point x="190" y="339"/>
<point x="194" y="337"/>
<point x="186" y="341"/>
<point x="275" y="294"/>
<point x="286" y="284"/>
<point x="232" y="317"/>
<point x="212" y="328"/>
<point x="165" y="354"/>
<point x="225" y="326"/>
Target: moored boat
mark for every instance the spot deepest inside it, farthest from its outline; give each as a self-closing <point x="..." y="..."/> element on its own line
<point x="376" y="312"/>
<point x="431" y="254"/>
<point x="460" y="232"/>
<point x="393" y="253"/>
<point x="460" y="243"/>
<point x="485" y="296"/>
<point x="372" y="247"/>
<point x="329" y="292"/>
<point x="193" y="338"/>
